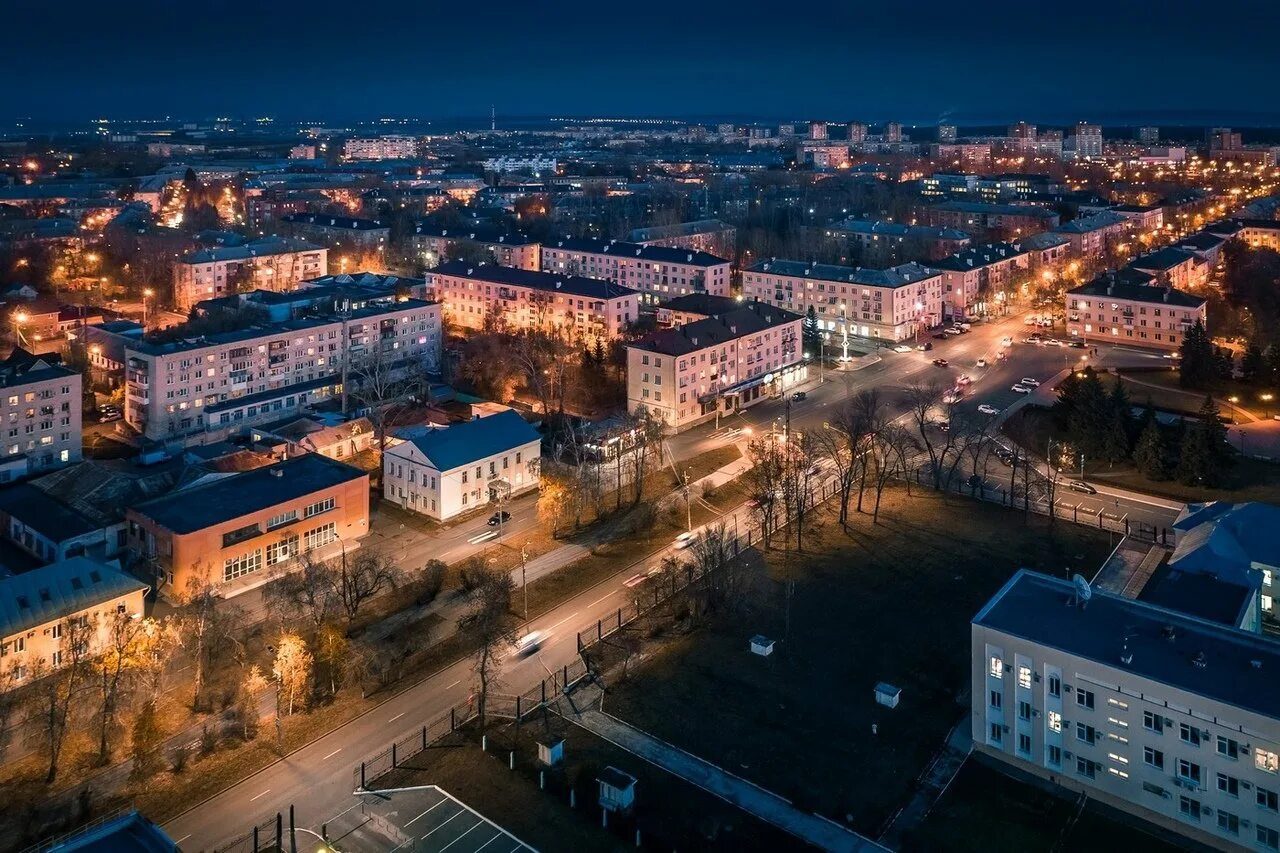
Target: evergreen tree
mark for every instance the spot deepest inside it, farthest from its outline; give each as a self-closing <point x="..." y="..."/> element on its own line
<point x="1199" y="365"/>
<point x="1116" y="440"/>
<point x="1091" y="418"/>
<point x="1205" y="455"/>
<point x="1149" y="453"/>
<point x="1068" y="395"/>
<point x="1253" y="366"/>
<point x="811" y="331"/>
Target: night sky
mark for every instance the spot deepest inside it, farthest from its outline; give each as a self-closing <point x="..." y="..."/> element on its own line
<point x="918" y="60"/>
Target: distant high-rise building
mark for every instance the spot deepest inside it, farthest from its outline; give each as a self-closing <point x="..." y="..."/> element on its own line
<point x="857" y="132"/>
<point x="893" y="132"/>
<point x="946" y="133"/>
<point x="817" y="130"/>
<point x="1088" y="140"/>
<point x="1022" y="130"/>
<point x="1224" y="139"/>
<point x="1148" y="135"/>
<point x="786" y="131"/>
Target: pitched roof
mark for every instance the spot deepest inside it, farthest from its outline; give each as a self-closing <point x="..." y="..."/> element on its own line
<point x="1225" y="538"/>
<point x="1087" y="224"/>
<point x="748" y="319"/>
<point x="898" y="276"/>
<point x="1162" y="259"/>
<point x="264" y="248"/>
<point x="549" y="282"/>
<point x="58" y="590"/>
<point x="662" y="254"/>
<point x="977" y="257"/>
<point x="325" y="220"/>
<point x="479" y="234"/>
<point x="1136" y="286"/>
<point x="461" y="444"/>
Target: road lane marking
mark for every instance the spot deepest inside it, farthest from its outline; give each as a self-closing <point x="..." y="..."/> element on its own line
<point x="263" y="794"/>
<point x="183" y="838"/>
<point x="396" y="717"/>
<point x="562" y="621"/>
<point x="332" y="754"/>
<point x="602" y="598"/>
<point x="455" y="684"/>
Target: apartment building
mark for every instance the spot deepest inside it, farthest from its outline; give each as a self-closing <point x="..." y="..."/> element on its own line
<point x="1012" y="220"/>
<point x="1092" y="236"/>
<point x="1047" y="249"/>
<point x="656" y="272"/>
<point x="271" y="263"/>
<point x="980" y="279"/>
<point x="1129" y="306"/>
<point x="236" y="531"/>
<point x="1087" y="140"/>
<point x="1179" y="268"/>
<point x="1164" y="715"/>
<point x="875" y="242"/>
<point x="390" y="147"/>
<point x="685" y="375"/>
<point x="39" y="610"/>
<point x="479" y="295"/>
<point x="433" y="245"/>
<point x="1146" y="218"/>
<point x="1260" y="233"/>
<point x="695" y="306"/>
<point x="441" y="472"/>
<point x="961" y="155"/>
<point x="339" y="233"/>
<point x="895" y="303"/>
<point x="205" y="386"/>
<point x="40" y="413"/>
<point x="704" y="235"/>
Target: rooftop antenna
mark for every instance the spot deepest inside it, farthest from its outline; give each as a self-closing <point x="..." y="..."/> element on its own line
<point x="1083" y="591"/>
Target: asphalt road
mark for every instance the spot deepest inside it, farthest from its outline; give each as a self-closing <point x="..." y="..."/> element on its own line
<point x="317" y="779"/>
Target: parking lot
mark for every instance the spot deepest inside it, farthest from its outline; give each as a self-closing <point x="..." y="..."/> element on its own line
<point x="426" y="819"/>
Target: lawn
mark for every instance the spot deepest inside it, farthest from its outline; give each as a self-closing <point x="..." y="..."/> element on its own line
<point x="1171" y="395"/>
<point x="985" y="811"/>
<point x="888" y="602"/>
<point x="670" y="814"/>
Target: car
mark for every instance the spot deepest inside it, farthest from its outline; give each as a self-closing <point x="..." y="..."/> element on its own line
<point x="529" y="643"/>
<point x="684" y="540"/>
<point x="814" y="470"/>
<point x="1027" y="380"/>
<point x="1002" y="355"/>
<point x="982" y="362"/>
<point x="945" y="426"/>
<point x="1082" y="487"/>
<point x="1029" y="320"/>
<point x="988" y="409"/>
<point x="952" y="330"/>
<point x="939" y="336"/>
<point x="955" y="395"/>
<point x="1006" y="341"/>
<point x="940" y="362"/>
<point x="106" y="417"/>
<point x="964" y="327"/>
<point x="902" y="348"/>
<point x="499" y="517"/>
<point x="962" y="380"/>
<point x="926" y="346"/>
<point x="1076" y="344"/>
<point x="757" y="501"/>
<point x="1053" y="342"/>
<point x="1020" y="389"/>
<point x="799" y="395"/>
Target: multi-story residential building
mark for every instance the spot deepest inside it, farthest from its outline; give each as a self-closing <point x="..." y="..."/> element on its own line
<point x="1161" y="714"/>
<point x="876" y="243"/>
<point x="657" y="272"/>
<point x="535" y="163"/>
<point x="441" y="472"/>
<point x="981" y="279"/>
<point x="817" y="130"/>
<point x="946" y="133"/>
<point x="433" y="245"/>
<point x="1047" y="249"/>
<point x="695" y="306"/>
<point x="263" y="209"/>
<point x="893" y="132"/>
<point x="40" y="414"/>
<point x="1011" y="220"/>
<point x="1092" y="236"/>
<point x="968" y="155"/>
<point x="479" y="295"/>
<point x="1148" y="135"/>
<point x="857" y="133"/>
<point x="339" y="233"/>
<point x="1088" y="140"/>
<point x="390" y="147"/>
<point x="1146" y="219"/>
<point x="206" y="386"/>
<point x="1259" y="233"/>
<point x="237" y="531"/>
<point x="272" y="263"/>
<point x="1128" y="306"/>
<point x="686" y="375"/>
<point x="704" y="235"/>
<point x="1178" y="268"/>
<point x="895" y="303"/>
<point x="45" y="609"/>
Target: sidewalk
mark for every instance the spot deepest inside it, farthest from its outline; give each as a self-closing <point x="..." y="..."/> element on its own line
<point x="769" y="807"/>
<point x="933" y="783"/>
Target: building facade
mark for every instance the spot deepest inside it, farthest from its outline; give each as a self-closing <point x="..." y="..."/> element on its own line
<point x="390" y="147"/>
<point x="979" y="280"/>
<point x="704" y="235"/>
<point x="433" y="246"/>
<point x="1130" y="308"/>
<point x="339" y="233"/>
<point x="657" y="272"/>
<point x="40" y="413"/>
<point x="272" y="263"/>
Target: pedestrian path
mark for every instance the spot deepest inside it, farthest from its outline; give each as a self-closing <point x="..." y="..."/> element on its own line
<point x="751" y="798"/>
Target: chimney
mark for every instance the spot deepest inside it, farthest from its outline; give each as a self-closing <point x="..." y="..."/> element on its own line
<point x="1167" y="288"/>
<point x="277" y="472"/>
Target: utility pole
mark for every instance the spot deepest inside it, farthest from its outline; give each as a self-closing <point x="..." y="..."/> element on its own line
<point x="688" y="503"/>
<point x="524" y="584"/>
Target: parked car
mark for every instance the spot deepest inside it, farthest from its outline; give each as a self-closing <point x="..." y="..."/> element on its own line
<point x="684" y="540"/>
<point x="499" y="517"/>
<point x="799" y="395"/>
<point x="902" y="348"/>
<point x="1027" y="380"/>
<point x="1006" y="341"/>
<point x="952" y="330"/>
<point x="938" y="336"/>
<point x="1076" y="344"/>
<point x="1082" y="487"/>
<point x="1020" y="389"/>
<point x="988" y="409"/>
<point x="955" y="395"/>
<point x="940" y="362"/>
<point x="925" y="347"/>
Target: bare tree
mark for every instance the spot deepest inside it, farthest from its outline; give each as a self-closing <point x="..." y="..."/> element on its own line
<point x="122" y="652"/>
<point x="382" y="381"/>
<point x="888" y="456"/>
<point x="764" y="478"/>
<point x="198" y="618"/>
<point x="799" y="457"/>
<point x="361" y="578"/>
<point x="307" y="592"/>
<point x="845" y="441"/>
<point x="58" y="684"/>
<point x="292" y="671"/>
<point x="488" y="624"/>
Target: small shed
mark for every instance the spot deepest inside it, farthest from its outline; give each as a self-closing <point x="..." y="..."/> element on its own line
<point x="761" y="645"/>
<point x="888" y="695"/>
<point x="617" y="790"/>
<point x="551" y="751"/>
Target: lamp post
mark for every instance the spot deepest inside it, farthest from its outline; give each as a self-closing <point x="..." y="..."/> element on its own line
<point x="1266" y="401"/>
<point x="147" y="293"/>
<point x="524" y="584"/>
<point x="1233" y="400"/>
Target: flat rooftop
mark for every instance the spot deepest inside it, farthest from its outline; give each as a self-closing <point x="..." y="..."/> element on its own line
<point x="1225" y="664"/>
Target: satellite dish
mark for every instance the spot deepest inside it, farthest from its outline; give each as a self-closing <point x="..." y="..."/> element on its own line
<point x="1083" y="591"/>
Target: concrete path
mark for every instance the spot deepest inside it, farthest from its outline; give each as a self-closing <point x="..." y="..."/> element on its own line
<point x="931" y="785"/>
<point x="751" y="798"/>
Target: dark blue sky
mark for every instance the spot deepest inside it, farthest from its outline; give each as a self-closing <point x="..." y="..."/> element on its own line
<point x="912" y="59"/>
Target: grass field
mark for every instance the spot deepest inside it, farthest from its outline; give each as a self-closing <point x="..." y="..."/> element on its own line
<point x="888" y="602"/>
<point x="984" y="811"/>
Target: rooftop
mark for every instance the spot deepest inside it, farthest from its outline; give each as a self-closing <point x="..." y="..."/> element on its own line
<point x="1195" y="594"/>
<point x="1183" y="651"/>
<point x="747" y="319"/>
<point x="662" y="254"/>
<point x="1085" y="224"/>
<point x="478" y="234"/>
<point x="326" y="220"/>
<point x="898" y="229"/>
<point x="238" y="495"/>
<point x="464" y="443"/>
<point x="681" y="229"/>
<point x="265" y="247"/>
<point x="23" y="368"/>
<point x="58" y="590"/>
<point x="976" y="257"/>
<point x="1132" y="285"/>
<point x="898" y="276"/>
<point x="701" y="303"/>
<point x="1162" y="259"/>
<point x="1003" y="209"/>
<point x="576" y="285"/>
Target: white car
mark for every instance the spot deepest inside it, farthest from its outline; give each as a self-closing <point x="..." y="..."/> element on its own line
<point x="962" y="380"/>
<point x="1029" y="382"/>
<point x="529" y="643"/>
<point x="1006" y="341"/>
<point x="1020" y="389"/>
<point x="953" y="396"/>
<point x="987" y="409"/>
<point x="982" y="362"/>
<point x="902" y="348"/>
<point x="684" y="540"/>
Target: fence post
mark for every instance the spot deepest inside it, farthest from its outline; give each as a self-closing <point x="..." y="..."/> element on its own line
<point x="362" y="780"/>
<point x="255" y="839"/>
<point x="424" y="737"/>
<point x="453" y="719"/>
<point x="544" y="691"/>
<point x="393" y="755"/>
<point x="599" y="629"/>
<point x="518" y="709"/>
<point x="619" y="617"/>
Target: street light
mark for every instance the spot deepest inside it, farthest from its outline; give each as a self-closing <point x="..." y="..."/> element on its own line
<point x="1266" y="399"/>
<point x="1233" y="400"/>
